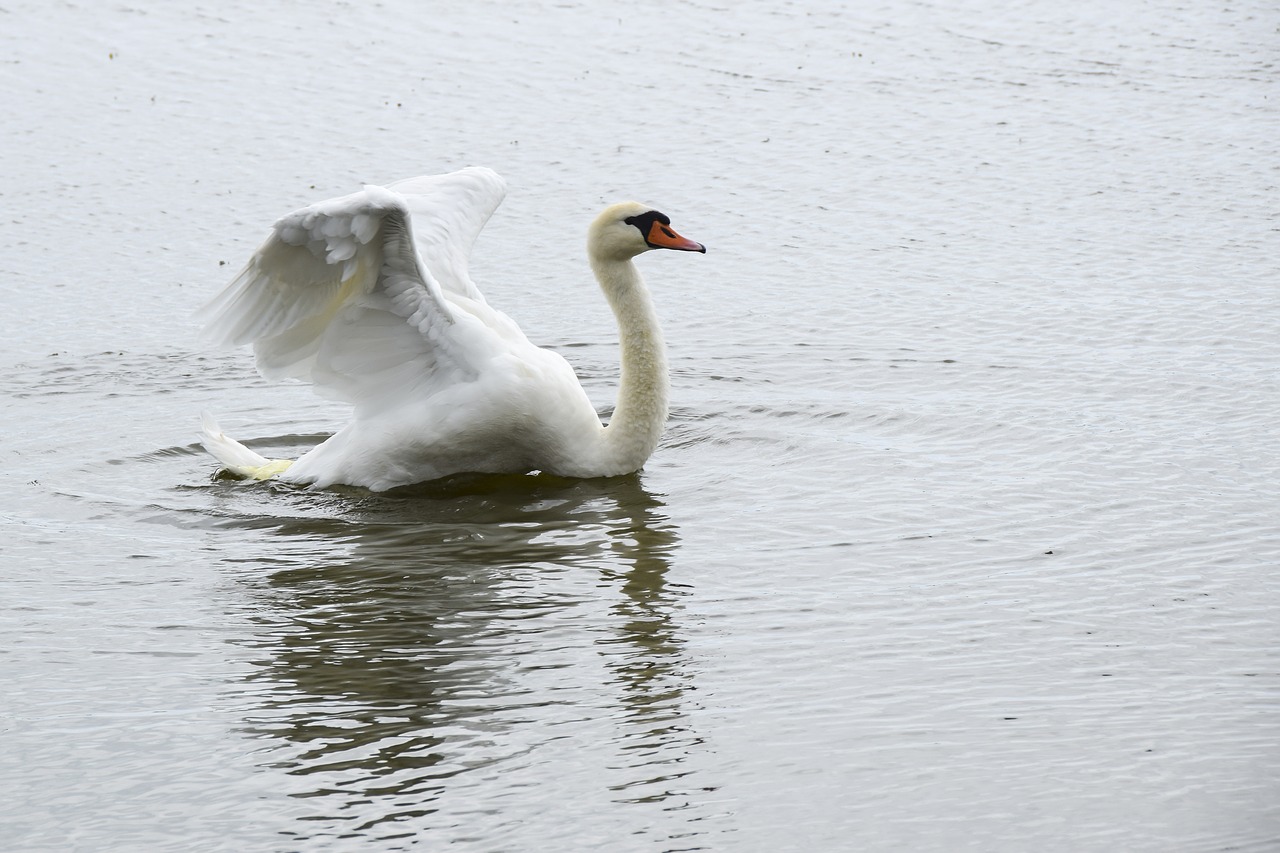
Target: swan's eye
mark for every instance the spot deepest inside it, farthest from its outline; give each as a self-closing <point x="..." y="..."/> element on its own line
<point x="646" y="222"/>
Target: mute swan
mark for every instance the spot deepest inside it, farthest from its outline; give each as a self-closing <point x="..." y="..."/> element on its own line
<point x="368" y="297"/>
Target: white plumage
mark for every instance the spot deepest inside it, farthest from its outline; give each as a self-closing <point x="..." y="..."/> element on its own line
<point x="369" y="298"/>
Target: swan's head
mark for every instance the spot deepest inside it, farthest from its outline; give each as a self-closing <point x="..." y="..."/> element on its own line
<point x="625" y="230"/>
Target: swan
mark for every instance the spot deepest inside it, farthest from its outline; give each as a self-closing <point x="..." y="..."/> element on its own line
<point x="368" y="297"/>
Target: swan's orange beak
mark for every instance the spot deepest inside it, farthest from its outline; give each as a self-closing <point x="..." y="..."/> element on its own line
<point x="662" y="237"/>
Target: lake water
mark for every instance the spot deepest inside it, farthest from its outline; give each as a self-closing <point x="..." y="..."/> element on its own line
<point x="963" y="535"/>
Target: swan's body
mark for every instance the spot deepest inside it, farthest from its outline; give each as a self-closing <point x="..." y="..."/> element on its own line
<point x="368" y="297"/>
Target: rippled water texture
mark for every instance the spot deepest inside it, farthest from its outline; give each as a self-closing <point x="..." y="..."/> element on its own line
<point x="963" y="535"/>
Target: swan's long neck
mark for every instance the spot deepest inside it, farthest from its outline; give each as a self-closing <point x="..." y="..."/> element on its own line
<point x="641" y="412"/>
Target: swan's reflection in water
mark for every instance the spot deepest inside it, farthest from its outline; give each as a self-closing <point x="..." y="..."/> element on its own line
<point x="421" y="654"/>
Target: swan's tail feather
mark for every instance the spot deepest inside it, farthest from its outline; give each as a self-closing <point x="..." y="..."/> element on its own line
<point x="234" y="456"/>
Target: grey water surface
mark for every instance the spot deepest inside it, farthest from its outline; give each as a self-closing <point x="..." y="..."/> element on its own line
<point x="964" y="534"/>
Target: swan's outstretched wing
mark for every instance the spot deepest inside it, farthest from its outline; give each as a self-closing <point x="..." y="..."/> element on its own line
<point x="449" y="212"/>
<point x="340" y="295"/>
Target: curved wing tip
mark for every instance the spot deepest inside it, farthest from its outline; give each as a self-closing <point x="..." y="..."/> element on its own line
<point x="384" y="196"/>
<point x="486" y="172"/>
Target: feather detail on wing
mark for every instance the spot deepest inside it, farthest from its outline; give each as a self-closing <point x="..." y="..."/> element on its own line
<point x="347" y="295"/>
<point x="449" y="212"/>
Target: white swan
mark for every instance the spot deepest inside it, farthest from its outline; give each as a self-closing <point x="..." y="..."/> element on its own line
<point x="368" y="297"/>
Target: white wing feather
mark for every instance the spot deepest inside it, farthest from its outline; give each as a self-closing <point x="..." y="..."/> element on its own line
<point x="368" y="295"/>
<point x="449" y="212"/>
